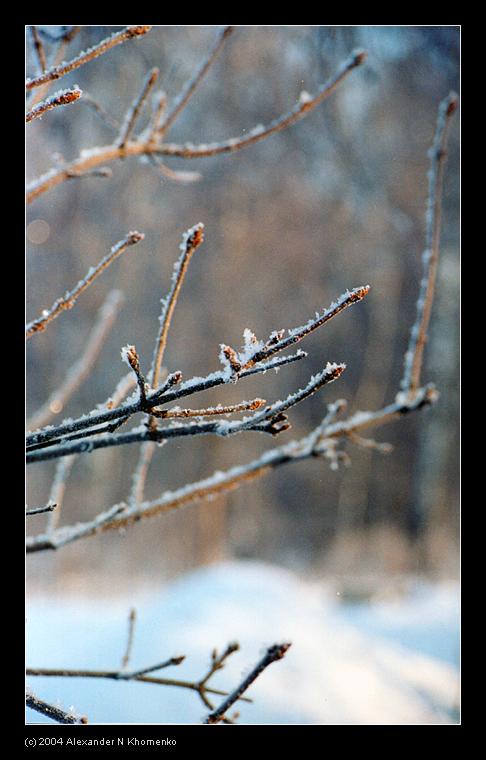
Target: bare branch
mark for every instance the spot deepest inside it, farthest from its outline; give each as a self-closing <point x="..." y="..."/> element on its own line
<point x="191" y="240"/>
<point x="105" y="117"/>
<point x="267" y="421"/>
<point x="40" y="510"/>
<point x="58" y="488"/>
<point x="78" y="373"/>
<point x="253" y="359"/>
<point x="115" y="676"/>
<point x="134" y="112"/>
<point x="210" y="411"/>
<point x="88" y="55"/>
<point x="68" y="301"/>
<point x="53" y="712"/>
<point x="60" y="98"/>
<point x="130" y="356"/>
<point x="223" y="482"/>
<point x="306" y="104"/>
<point x="274" y="653"/>
<point x="97" y="156"/>
<point x="132" y="618"/>
<point x="39" y="48"/>
<point x="62" y="43"/>
<point x="430" y="257"/>
<point x="193" y="83"/>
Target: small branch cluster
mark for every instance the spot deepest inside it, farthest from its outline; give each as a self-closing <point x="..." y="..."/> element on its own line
<point x="149" y="142"/>
<point x="201" y="687"/>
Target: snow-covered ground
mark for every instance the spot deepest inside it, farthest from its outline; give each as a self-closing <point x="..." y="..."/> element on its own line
<point x="393" y="662"/>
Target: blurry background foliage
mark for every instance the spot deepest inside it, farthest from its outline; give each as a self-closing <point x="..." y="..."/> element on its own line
<point x="332" y="203"/>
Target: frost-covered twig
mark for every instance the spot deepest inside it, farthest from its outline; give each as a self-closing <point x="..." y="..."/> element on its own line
<point x="130" y="356"/>
<point x="79" y="371"/>
<point x="268" y="421"/>
<point x="58" y="57"/>
<point x="88" y="55"/>
<point x="146" y="146"/>
<point x="191" y="241"/>
<point x="69" y="299"/>
<point x="252" y="359"/>
<point x="134" y="111"/>
<point x="40" y="510"/>
<point x="193" y="83"/>
<point x="224" y="482"/>
<point x="209" y="411"/>
<point x="430" y="257"/>
<point x="272" y="420"/>
<point x="60" y="98"/>
<point x="273" y="653"/>
<point x="305" y="104"/>
<point x="53" y="712"/>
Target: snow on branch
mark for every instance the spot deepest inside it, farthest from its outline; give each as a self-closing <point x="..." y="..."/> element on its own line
<point x="255" y="362"/>
<point x="70" y="298"/>
<point x="305" y="104"/>
<point x="147" y="144"/>
<point x="54" y="712"/>
<point x="60" y="98"/>
<point x="62" y="69"/>
<point x="430" y="257"/>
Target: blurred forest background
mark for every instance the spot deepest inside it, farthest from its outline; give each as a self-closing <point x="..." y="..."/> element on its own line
<point x="334" y="202"/>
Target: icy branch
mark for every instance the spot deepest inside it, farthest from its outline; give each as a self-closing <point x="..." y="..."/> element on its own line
<point x="430" y="257"/>
<point x="88" y="55"/>
<point x="60" y="98"/>
<point x="70" y="298"/>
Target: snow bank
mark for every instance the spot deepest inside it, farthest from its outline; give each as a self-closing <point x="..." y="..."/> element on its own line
<point x="372" y="664"/>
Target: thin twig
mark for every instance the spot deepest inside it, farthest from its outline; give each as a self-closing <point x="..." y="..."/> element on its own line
<point x="193" y="83"/>
<point x="60" y="98"/>
<point x="62" y="43"/>
<point x="89" y="159"/>
<point x="134" y="111"/>
<point x="273" y="653"/>
<point x="418" y="335"/>
<point x="40" y="510"/>
<point x="105" y="117"/>
<point x="132" y="618"/>
<point x="39" y="49"/>
<point x="53" y="712"/>
<point x="305" y="104"/>
<point x="88" y="55"/>
<point x="134" y="674"/>
<point x="58" y="489"/>
<point x="115" y="676"/>
<point x="79" y="371"/>
<point x="68" y="301"/>
<point x="191" y="240"/>
<point x="209" y="411"/>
